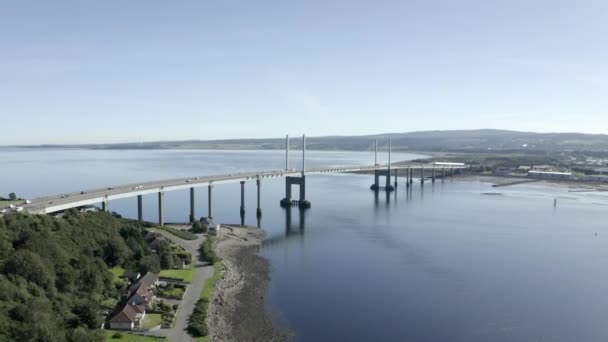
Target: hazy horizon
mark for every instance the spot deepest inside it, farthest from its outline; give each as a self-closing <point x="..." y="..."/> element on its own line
<point x="292" y="137"/>
<point x="112" y="72"/>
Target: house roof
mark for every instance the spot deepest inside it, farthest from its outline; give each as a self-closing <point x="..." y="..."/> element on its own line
<point x="128" y="314"/>
<point x="145" y="282"/>
<point x="149" y="279"/>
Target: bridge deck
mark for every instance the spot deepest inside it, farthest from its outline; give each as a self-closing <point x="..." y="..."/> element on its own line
<point x="50" y="204"/>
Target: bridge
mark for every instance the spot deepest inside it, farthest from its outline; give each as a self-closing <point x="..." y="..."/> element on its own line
<point x="58" y="203"/>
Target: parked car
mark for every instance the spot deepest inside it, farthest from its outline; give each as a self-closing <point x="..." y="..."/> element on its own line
<point x="28" y="201"/>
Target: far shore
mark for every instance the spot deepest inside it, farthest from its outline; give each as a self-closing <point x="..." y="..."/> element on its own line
<point x="506" y="180"/>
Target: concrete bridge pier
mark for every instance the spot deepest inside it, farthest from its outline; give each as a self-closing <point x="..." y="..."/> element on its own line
<point x="376" y="185"/>
<point x="192" y="213"/>
<point x="210" y="195"/>
<point x="422" y="175"/>
<point x="411" y="176"/>
<point x="140" y="208"/>
<point x="442" y="174"/>
<point x="259" y="208"/>
<point x="407" y="177"/>
<point x="301" y="181"/>
<point x="396" y="170"/>
<point x="388" y="185"/>
<point x="433" y="176"/>
<point x="242" y="199"/>
<point x="161" y="211"/>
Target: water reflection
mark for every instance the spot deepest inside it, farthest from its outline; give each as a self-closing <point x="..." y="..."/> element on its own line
<point x="289" y="227"/>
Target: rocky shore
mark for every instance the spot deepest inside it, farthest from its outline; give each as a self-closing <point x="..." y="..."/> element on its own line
<point x="238" y="310"/>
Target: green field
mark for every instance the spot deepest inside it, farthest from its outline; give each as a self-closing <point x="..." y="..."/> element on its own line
<point x="186" y="275"/>
<point x="152" y="320"/>
<point x="127" y="337"/>
<point x="175" y="292"/>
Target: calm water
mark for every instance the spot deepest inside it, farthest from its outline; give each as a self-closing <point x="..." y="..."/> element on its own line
<point x="449" y="262"/>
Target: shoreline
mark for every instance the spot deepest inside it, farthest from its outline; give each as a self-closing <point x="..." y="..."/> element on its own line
<point x="575" y="186"/>
<point x="238" y="309"/>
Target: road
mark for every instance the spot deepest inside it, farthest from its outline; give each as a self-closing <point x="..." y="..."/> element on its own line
<point x="192" y="294"/>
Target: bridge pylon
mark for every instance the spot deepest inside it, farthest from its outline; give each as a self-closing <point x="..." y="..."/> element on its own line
<point x="386" y="173"/>
<point x="288" y="202"/>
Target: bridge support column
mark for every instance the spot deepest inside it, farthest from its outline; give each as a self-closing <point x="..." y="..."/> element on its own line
<point x="259" y="209"/>
<point x="396" y="170"/>
<point x="442" y="173"/>
<point x="140" y="208"/>
<point x="210" y="203"/>
<point x="242" y="198"/>
<point x="422" y="175"/>
<point x="376" y="185"/>
<point x="451" y="172"/>
<point x="192" y="213"/>
<point x="161" y="207"/>
<point x="407" y="177"/>
<point x="433" y="176"/>
<point x="411" y="176"/>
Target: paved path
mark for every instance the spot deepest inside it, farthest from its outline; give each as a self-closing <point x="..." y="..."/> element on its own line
<point x="178" y="333"/>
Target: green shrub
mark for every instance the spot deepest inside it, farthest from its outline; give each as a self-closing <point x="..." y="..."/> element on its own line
<point x="199" y="227"/>
<point x="197" y="325"/>
<point x="207" y="251"/>
<point x="117" y="335"/>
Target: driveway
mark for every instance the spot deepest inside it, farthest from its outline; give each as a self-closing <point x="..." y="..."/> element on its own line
<point x="193" y="293"/>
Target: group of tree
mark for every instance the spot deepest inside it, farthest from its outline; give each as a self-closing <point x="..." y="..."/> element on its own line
<point x="197" y="325"/>
<point x="207" y="251"/>
<point x="54" y="272"/>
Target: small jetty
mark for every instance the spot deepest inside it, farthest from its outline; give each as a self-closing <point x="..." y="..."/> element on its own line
<point x="517" y="182"/>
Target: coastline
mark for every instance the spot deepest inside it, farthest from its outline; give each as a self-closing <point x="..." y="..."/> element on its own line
<point x="574" y="186"/>
<point x="238" y="309"/>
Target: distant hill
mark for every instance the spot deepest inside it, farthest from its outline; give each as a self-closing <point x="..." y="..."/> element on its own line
<point x="447" y="141"/>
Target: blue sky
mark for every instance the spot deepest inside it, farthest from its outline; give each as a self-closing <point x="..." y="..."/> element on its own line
<point x="114" y="71"/>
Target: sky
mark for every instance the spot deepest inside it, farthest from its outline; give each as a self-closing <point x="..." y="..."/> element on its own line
<point x="87" y="71"/>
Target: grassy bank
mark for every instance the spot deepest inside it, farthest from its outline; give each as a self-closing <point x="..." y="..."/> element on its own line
<point x="185" y="275"/>
<point x="128" y="337"/>
<point x="209" y="290"/>
<point x="180" y="233"/>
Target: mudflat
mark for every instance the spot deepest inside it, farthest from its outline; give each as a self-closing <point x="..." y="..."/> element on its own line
<point x="239" y="311"/>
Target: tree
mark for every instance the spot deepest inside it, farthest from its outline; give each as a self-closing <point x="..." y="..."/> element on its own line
<point x="149" y="263"/>
<point x="12" y="196"/>
<point x="199" y="227"/>
<point x="163" y="250"/>
<point x="88" y="313"/>
<point x="29" y="266"/>
<point x="116" y="251"/>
